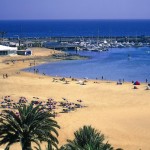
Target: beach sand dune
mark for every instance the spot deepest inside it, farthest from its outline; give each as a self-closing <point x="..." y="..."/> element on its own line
<point x="118" y="111"/>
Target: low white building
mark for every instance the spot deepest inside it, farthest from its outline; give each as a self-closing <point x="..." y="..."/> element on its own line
<point x="6" y="50"/>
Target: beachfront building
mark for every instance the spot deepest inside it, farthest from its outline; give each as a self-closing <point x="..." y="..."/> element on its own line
<point x="24" y="52"/>
<point x="6" y="50"/>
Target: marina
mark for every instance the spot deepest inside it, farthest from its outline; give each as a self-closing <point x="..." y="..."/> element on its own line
<point x="78" y="43"/>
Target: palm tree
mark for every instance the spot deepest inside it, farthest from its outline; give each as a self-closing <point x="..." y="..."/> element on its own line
<point x="87" y="138"/>
<point x="49" y="146"/>
<point x="30" y="125"/>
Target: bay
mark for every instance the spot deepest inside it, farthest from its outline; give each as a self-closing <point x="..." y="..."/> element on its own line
<point x="112" y="65"/>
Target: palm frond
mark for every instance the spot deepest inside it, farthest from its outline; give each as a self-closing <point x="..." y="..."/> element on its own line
<point x="33" y="124"/>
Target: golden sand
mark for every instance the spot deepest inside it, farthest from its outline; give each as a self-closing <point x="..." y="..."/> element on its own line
<point x="118" y="111"/>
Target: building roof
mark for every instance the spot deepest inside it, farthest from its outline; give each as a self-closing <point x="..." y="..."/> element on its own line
<point x="24" y="50"/>
<point x="7" y="48"/>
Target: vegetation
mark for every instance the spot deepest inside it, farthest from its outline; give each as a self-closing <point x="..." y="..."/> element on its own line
<point x="21" y="47"/>
<point x="87" y="138"/>
<point x="30" y="125"/>
<point x="33" y="124"/>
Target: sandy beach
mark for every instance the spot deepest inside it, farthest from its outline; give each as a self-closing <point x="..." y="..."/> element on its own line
<point x="120" y="112"/>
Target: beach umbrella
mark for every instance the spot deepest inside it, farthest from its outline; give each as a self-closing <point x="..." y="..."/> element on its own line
<point x="137" y="83"/>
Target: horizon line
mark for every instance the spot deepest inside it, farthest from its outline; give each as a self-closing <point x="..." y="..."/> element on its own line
<point x="66" y="19"/>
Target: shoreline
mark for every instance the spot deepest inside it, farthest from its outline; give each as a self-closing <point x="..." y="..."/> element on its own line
<point x="58" y="59"/>
<point x="120" y="112"/>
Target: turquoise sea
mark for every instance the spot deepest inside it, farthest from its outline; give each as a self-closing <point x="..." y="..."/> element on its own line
<point x="112" y="65"/>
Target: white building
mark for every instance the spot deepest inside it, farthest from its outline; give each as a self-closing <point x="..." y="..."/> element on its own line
<point x="6" y="50"/>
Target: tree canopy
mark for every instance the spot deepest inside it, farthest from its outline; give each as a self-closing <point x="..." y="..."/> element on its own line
<point x="30" y="124"/>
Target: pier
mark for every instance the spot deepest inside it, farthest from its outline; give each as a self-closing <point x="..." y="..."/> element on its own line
<point x="60" y="45"/>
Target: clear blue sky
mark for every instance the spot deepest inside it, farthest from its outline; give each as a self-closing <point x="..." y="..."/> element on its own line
<point x="74" y="9"/>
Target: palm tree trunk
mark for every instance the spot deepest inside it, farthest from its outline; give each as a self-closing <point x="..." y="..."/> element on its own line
<point x="26" y="144"/>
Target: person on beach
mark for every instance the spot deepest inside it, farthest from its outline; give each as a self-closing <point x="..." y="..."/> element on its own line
<point x="146" y="80"/>
<point x="37" y="70"/>
<point x="102" y="77"/>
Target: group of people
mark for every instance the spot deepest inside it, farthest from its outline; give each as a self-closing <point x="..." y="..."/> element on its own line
<point x="49" y="105"/>
<point x="68" y="106"/>
<point x="36" y="70"/>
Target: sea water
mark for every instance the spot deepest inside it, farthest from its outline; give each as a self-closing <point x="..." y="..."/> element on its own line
<point x="114" y="64"/>
<point x="51" y="28"/>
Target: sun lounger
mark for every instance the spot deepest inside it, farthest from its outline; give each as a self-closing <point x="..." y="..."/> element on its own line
<point x="81" y="82"/>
